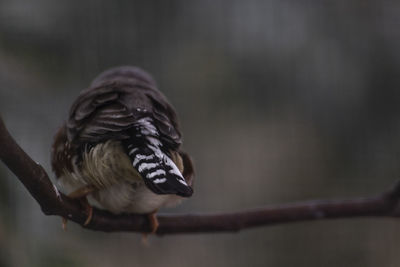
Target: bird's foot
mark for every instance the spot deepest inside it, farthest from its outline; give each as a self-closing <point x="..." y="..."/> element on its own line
<point x="81" y="194"/>
<point x="89" y="210"/>
<point x="153" y="221"/>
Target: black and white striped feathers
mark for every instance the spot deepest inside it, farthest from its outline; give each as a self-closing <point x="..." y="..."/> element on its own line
<point x="156" y="167"/>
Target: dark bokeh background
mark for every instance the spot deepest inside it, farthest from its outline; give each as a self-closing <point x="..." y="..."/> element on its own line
<point x="279" y="101"/>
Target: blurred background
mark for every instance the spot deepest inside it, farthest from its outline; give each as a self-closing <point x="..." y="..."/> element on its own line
<point x="279" y="101"/>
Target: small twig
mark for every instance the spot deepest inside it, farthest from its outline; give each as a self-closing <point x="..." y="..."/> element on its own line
<point x="53" y="202"/>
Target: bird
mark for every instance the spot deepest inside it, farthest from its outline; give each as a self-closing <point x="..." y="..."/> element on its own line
<point x="120" y="147"/>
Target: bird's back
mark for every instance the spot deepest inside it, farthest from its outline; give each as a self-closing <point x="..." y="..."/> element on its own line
<point x="122" y="125"/>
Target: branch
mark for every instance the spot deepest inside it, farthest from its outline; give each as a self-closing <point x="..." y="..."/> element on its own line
<point x="53" y="202"/>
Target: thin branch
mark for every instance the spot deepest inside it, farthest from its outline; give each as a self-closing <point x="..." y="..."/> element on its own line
<point x="53" y="202"/>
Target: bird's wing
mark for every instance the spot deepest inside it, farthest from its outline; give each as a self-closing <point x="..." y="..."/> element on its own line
<point x="111" y="110"/>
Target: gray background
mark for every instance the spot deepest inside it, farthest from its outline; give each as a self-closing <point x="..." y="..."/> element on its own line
<point x="279" y="101"/>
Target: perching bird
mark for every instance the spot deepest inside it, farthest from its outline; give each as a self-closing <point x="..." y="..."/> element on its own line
<point x="121" y="146"/>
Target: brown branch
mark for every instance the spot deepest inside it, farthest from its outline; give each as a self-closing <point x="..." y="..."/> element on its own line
<point x="52" y="202"/>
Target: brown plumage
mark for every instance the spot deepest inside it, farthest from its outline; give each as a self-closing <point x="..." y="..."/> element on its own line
<point x="122" y="140"/>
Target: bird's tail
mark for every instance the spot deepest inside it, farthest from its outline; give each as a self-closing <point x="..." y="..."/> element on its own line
<point x="159" y="172"/>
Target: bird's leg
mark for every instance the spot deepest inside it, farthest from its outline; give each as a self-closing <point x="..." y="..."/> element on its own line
<point x="153" y="221"/>
<point x="81" y="194"/>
